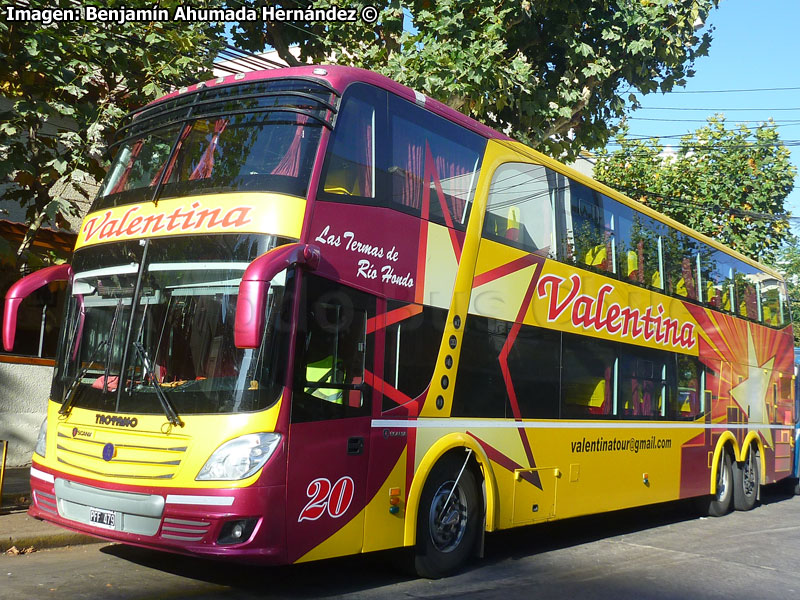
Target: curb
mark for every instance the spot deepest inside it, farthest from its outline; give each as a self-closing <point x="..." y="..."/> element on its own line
<point x="27" y="532"/>
<point x="47" y="541"/>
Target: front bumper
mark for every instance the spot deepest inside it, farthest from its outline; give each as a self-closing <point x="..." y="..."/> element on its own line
<point x="185" y="521"/>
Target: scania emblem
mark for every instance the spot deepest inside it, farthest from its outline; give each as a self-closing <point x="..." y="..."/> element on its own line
<point x="109" y="452"/>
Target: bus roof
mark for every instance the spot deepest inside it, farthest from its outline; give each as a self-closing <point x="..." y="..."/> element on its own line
<point x="339" y="77"/>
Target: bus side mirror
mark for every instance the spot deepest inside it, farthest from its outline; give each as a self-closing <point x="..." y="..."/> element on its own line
<point x="254" y="287"/>
<point x="24" y="288"/>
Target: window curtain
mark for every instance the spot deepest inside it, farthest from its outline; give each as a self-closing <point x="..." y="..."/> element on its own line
<point x="290" y="163"/>
<point x="455" y="184"/>
<point x="449" y="172"/>
<point x="205" y="167"/>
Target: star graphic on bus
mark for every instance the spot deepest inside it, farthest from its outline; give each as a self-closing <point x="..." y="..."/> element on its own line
<point x="751" y="393"/>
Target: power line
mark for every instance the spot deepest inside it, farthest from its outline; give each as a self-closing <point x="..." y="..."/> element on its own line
<point x="778" y="123"/>
<point x="774" y="89"/>
<point x="709" y="146"/>
<point x="714" y="109"/>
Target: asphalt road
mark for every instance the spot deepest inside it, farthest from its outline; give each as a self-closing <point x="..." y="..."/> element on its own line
<point x="656" y="552"/>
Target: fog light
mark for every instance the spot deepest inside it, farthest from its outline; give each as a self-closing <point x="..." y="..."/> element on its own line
<point x="236" y="532"/>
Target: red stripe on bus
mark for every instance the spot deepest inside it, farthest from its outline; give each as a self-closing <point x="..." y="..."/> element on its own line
<point x="506" y="269"/>
<point x="393" y="316"/>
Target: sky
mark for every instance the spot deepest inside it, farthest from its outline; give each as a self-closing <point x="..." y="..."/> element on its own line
<point x="756" y="45"/>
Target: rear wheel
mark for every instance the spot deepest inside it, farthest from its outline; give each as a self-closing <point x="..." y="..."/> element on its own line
<point x="746" y="481"/>
<point x="720" y="503"/>
<point x="449" y="518"/>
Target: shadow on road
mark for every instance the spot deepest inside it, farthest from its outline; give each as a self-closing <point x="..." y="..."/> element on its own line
<point x="371" y="571"/>
<point x="308" y="580"/>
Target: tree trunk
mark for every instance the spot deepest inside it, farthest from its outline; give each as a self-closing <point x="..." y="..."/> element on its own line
<point x="28" y="239"/>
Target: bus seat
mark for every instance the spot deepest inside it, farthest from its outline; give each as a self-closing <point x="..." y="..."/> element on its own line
<point x="514" y="225"/>
<point x="711" y="294"/>
<point x="341" y="179"/>
<point x="597" y="400"/>
<point x="655" y="280"/>
<point x="596" y="257"/>
<point x="321" y="372"/>
<point x="726" y="300"/>
<point x="680" y="288"/>
<point x="632" y="272"/>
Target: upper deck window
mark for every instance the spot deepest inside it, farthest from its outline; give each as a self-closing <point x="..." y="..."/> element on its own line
<point x="351" y="161"/>
<point x="519" y="212"/>
<point x="434" y="164"/>
<point x="386" y="151"/>
<point x="260" y="136"/>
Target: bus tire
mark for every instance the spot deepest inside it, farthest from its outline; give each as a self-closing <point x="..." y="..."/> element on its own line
<point x="719" y="504"/>
<point x="445" y="538"/>
<point x="746" y="481"/>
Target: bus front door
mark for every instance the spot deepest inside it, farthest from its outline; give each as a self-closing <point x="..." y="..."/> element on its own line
<point x="330" y="422"/>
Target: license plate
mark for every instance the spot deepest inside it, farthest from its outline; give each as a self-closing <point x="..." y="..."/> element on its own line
<point x="102" y="518"/>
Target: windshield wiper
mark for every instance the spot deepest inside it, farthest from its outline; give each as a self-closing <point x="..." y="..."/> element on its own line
<point x="72" y="391"/>
<point x="111" y="337"/>
<point x="169" y="410"/>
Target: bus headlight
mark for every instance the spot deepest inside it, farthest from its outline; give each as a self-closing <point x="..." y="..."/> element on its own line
<point x="240" y="457"/>
<point x="41" y="441"/>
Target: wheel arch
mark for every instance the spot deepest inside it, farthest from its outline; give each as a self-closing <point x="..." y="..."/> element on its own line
<point x="454" y="442"/>
<point x="726" y="440"/>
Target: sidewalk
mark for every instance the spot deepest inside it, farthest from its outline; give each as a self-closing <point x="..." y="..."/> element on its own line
<point x="22" y="532"/>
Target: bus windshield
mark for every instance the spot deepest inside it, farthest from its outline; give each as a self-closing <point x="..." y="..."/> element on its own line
<point x="180" y="344"/>
<point x="261" y="136"/>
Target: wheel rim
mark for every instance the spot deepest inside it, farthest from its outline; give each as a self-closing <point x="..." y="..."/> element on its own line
<point x="749" y="475"/>
<point x="448" y="524"/>
<point x="722" y="481"/>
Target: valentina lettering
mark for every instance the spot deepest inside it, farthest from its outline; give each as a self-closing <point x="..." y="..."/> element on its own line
<point x="179" y="220"/>
<point x="594" y="312"/>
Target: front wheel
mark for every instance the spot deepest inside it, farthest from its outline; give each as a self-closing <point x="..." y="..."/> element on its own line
<point x="449" y="518"/>
<point x="746" y="481"/>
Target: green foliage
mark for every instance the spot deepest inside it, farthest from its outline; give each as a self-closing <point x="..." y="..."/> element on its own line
<point x="787" y="262"/>
<point x="65" y="86"/>
<point x="730" y="184"/>
<point x="552" y="73"/>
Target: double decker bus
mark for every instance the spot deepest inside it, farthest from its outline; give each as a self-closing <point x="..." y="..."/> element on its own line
<point x="314" y="313"/>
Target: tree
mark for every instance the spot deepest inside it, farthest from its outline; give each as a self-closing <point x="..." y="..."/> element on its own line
<point x="66" y="85"/>
<point x="554" y="74"/>
<point x="729" y="184"/>
<point x="787" y="262"/>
